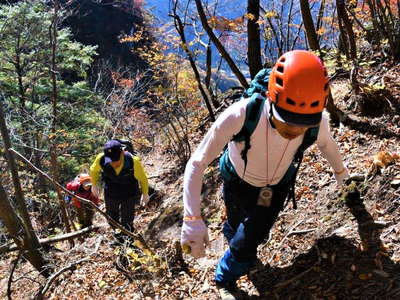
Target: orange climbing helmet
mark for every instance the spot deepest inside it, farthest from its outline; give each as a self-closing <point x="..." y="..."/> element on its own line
<point x="85" y="179"/>
<point x="298" y="88"/>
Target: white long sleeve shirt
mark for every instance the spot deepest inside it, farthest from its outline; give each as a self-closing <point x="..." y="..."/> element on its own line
<point x="268" y="158"/>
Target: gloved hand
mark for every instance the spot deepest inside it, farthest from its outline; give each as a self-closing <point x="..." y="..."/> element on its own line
<point x="194" y="234"/>
<point x="340" y="177"/>
<point x="96" y="191"/>
<point x="67" y="199"/>
<point x="144" y="200"/>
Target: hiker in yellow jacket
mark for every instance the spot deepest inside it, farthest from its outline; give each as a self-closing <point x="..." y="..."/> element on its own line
<point x="124" y="181"/>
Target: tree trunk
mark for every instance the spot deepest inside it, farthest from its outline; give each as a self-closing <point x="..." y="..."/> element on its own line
<point x="20" y="236"/>
<point x="40" y="181"/>
<point x="52" y="140"/>
<point x="309" y="25"/>
<point x="320" y="16"/>
<point x="289" y="23"/>
<point x="343" y="44"/>
<point x="342" y="14"/>
<point x="314" y="45"/>
<point x="253" y="37"/>
<point x="19" y="195"/>
<point x="207" y="79"/>
<point x="372" y="10"/>
<point x="219" y="46"/>
<point x="347" y="34"/>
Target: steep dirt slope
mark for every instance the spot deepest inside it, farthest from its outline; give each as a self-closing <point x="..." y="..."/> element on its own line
<point x="325" y="249"/>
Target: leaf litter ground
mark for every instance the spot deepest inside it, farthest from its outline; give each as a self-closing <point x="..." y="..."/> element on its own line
<point x="325" y="249"/>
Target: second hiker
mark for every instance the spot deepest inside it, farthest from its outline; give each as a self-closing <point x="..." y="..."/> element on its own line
<point x="125" y="182"/>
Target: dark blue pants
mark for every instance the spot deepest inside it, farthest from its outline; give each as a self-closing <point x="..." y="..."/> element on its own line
<point x="121" y="210"/>
<point x="247" y="226"/>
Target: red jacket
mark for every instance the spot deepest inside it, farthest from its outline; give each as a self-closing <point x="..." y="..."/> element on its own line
<point x="75" y="186"/>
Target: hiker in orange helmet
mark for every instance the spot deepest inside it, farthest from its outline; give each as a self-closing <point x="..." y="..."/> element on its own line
<point x="266" y="141"/>
<point x="82" y="187"/>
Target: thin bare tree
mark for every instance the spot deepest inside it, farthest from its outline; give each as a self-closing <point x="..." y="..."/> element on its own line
<point x="253" y="37"/>
<point x="309" y="26"/>
<point x="203" y="18"/>
<point x="179" y="26"/>
<point x="53" y="141"/>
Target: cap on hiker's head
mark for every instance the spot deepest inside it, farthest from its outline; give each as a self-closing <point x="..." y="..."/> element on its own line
<point x="85" y="179"/>
<point x="298" y="87"/>
<point x="112" y="151"/>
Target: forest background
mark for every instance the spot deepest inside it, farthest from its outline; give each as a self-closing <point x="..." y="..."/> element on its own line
<point x="76" y="73"/>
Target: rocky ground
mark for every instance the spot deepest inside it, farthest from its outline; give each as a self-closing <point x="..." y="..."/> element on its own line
<point x="331" y="247"/>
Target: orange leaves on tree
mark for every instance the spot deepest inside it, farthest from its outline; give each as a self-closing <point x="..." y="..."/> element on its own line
<point x="136" y="37"/>
<point x="125" y="83"/>
<point x="321" y="31"/>
<point x="250" y="16"/>
<point x="226" y="25"/>
<point x="270" y="14"/>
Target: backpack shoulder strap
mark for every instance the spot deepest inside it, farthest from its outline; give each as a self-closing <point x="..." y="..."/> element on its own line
<point x="253" y="113"/>
<point x="310" y="137"/>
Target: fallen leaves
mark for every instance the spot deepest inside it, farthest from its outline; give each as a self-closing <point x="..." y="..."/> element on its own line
<point x="102" y="284"/>
<point x="384" y="158"/>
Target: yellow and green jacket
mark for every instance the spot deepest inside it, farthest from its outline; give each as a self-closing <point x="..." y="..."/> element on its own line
<point x="121" y="181"/>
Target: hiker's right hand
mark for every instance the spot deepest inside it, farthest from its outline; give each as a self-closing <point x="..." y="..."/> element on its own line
<point x="194" y="237"/>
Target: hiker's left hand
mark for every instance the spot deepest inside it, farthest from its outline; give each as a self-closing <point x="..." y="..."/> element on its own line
<point x="96" y="191"/>
<point x="340" y="178"/>
<point x="144" y="200"/>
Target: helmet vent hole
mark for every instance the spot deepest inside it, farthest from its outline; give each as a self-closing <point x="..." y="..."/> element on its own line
<point x="314" y="104"/>
<point x="290" y="101"/>
<point x="279" y="81"/>
<point x="282" y="59"/>
<point x="302" y="104"/>
<point x="326" y="86"/>
<point x="280" y="69"/>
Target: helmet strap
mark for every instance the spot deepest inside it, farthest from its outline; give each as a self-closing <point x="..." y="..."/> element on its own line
<point x="270" y="117"/>
<point x="276" y="97"/>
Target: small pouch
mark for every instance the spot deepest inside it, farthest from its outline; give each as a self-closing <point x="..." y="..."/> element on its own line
<point x="265" y="196"/>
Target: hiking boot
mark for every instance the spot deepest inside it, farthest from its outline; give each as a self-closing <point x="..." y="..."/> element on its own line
<point x="228" y="291"/>
<point x="118" y="239"/>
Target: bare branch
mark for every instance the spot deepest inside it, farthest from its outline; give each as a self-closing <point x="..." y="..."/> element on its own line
<point x="71" y="235"/>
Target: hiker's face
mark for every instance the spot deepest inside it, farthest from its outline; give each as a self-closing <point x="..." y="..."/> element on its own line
<point x="117" y="163"/>
<point x="287" y="131"/>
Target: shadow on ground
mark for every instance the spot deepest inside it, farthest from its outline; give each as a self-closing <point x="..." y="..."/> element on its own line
<point x="335" y="268"/>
